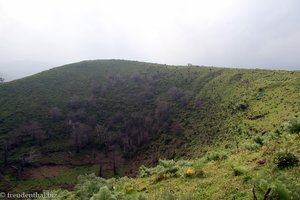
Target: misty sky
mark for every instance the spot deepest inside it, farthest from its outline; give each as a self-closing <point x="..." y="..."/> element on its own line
<point x="40" y="34"/>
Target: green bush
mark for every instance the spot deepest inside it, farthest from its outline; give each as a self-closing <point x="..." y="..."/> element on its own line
<point x="165" y="169"/>
<point x="199" y="173"/>
<point x="251" y="146"/>
<point x="285" y="159"/>
<point x="294" y="126"/>
<point x="145" y="171"/>
<point x="259" y="140"/>
<point x="238" y="170"/>
<point x="89" y="185"/>
<point x="281" y="188"/>
<point x="277" y="133"/>
<point x="103" y="194"/>
<point x="213" y="155"/>
<point x="170" y="166"/>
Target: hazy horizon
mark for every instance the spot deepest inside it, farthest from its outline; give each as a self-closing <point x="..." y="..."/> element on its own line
<point x="39" y="35"/>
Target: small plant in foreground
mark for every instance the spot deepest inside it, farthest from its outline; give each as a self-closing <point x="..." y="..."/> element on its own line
<point x="294" y="126"/>
<point x="251" y="146"/>
<point x="213" y="155"/>
<point x="277" y="189"/>
<point x="165" y="169"/>
<point x="285" y="159"/>
<point x="238" y="170"/>
<point x="259" y="140"/>
<point x="103" y="194"/>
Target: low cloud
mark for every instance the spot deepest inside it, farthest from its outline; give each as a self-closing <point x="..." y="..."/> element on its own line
<point x="37" y="35"/>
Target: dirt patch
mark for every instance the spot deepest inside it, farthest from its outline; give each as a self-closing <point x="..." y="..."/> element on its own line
<point x="44" y="171"/>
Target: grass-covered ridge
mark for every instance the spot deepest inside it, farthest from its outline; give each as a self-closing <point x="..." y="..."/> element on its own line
<point x="98" y="116"/>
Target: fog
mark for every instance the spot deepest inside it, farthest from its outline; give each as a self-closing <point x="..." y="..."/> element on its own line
<point x="40" y="34"/>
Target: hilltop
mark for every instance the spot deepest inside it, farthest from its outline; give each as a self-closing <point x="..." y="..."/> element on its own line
<point x="109" y="117"/>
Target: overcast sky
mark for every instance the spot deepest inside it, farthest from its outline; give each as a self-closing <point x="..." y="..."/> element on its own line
<point x="40" y="34"/>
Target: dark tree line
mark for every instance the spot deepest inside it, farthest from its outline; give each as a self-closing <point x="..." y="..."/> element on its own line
<point x="121" y="132"/>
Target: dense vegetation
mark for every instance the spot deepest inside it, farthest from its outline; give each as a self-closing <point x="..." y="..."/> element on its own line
<point x="109" y="117"/>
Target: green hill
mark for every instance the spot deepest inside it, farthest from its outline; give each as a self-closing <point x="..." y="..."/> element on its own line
<point x="109" y="117"/>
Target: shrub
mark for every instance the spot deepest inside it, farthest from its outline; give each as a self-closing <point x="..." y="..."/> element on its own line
<point x="198" y="164"/>
<point x="103" y="194"/>
<point x="238" y="170"/>
<point x="89" y="185"/>
<point x="251" y="146"/>
<point x="294" y="126"/>
<point x="170" y="166"/>
<point x="281" y="188"/>
<point x="277" y="133"/>
<point x="199" y="173"/>
<point x="259" y="140"/>
<point x="128" y="188"/>
<point x="159" y="177"/>
<point x="165" y="169"/>
<point x="193" y="172"/>
<point x="144" y="171"/>
<point x="285" y="159"/>
<point x="213" y="155"/>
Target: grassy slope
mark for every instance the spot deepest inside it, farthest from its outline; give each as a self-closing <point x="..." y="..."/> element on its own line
<point x="212" y="115"/>
<point x="219" y="180"/>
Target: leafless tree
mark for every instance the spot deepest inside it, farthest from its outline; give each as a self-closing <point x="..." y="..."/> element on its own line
<point x="55" y="114"/>
<point x="77" y="115"/>
<point x="136" y="77"/>
<point x="5" y="152"/>
<point x="95" y="87"/>
<point x="180" y="95"/>
<point x="75" y="102"/>
<point x="162" y="110"/>
<point x="103" y="137"/>
<point x="100" y="174"/>
<point x="114" y="160"/>
<point x="37" y="133"/>
<point x="79" y="134"/>
<point x="176" y="128"/>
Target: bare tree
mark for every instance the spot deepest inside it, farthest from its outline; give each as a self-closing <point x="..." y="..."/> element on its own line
<point x="175" y="93"/>
<point x="136" y="77"/>
<point x="100" y="173"/>
<point x="162" y="110"/>
<point x="180" y="95"/>
<point x="103" y="139"/>
<point x="5" y="150"/>
<point x="114" y="163"/>
<point x="95" y="87"/>
<point x="37" y="133"/>
<point x="55" y="114"/>
<point x="77" y="115"/>
<point x="75" y="102"/>
<point x="176" y="128"/>
<point x="2" y="79"/>
<point x="18" y="135"/>
<point x="80" y="135"/>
